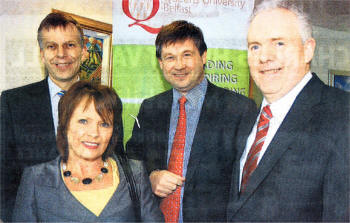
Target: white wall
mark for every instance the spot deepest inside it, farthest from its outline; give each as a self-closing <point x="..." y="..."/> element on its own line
<point x="332" y="52"/>
<point x="20" y="19"/>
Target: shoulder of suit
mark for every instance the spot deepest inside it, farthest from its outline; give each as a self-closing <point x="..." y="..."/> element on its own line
<point x="44" y="169"/>
<point x="336" y="98"/>
<point x="336" y="92"/>
<point x="18" y="91"/>
<point x="136" y="165"/>
<point x="160" y="97"/>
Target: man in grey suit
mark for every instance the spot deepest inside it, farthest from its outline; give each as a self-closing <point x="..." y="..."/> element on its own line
<point x="29" y="113"/>
<point x="293" y="160"/>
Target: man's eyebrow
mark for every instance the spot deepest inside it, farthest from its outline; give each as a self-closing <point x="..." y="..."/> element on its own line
<point x="166" y="54"/>
<point x="271" y="39"/>
<point x="277" y="38"/>
<point x="253" y="42"/>
<point x="188" y="51"/>
<point x="50" y="42"/>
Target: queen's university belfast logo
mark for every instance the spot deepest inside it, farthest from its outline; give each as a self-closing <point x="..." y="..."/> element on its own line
<point x="140" y="10"/>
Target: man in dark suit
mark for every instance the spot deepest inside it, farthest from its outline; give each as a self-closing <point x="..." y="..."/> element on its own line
<point x="29" y="113"/>
<point x="293" y="160"/>
<point x="200" y="189"/>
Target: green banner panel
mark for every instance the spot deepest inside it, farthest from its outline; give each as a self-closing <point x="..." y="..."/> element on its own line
<point x="228" y="69"/>
<point x="136" y="76"/>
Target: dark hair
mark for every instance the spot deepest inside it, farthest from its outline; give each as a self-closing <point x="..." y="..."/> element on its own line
<point x="107" y="105"/>
<point x="56" y="19"/>
<point x="180" y="31"/>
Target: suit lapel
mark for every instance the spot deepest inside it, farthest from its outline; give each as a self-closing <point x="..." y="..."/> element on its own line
<point x="244" y="129"/>
<point x="40" y="103"/>
<point x="291" y="128"/>
<point x="201" y="138"/>
<point x="163" y="120"/>
<point x="51" y="183"/>
<point x="161" y="116"/>
<point x="112" y="206"/>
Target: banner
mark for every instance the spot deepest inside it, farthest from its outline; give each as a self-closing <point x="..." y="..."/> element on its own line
<point x="136" y="73"/>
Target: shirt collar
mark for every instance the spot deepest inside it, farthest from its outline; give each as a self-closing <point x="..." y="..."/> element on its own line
<point x="194" y="94"/>
<point x="53" y="88"/>
<point x="281" y="107"/>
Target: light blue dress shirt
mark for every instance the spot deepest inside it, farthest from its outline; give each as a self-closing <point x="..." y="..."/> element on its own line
<point x="55" y="98"/>
<point x="193" y="106"/>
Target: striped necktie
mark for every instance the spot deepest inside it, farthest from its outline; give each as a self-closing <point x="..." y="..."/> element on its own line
<point x="61" y="93"/>
<point x="253" y="155"/>
<point x="170" y="205"/>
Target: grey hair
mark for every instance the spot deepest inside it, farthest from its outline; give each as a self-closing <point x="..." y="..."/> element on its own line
<point x="305" y="27"/>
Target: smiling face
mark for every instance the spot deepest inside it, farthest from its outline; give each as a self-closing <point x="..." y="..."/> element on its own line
<point x="182" y="65"/>
<point x="277" y="57"/>
<point x="88" y="135"/>
<point x="61" y="53"/>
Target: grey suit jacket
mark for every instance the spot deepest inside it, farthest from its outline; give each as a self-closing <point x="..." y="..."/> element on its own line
<point x="43" y="196"/>
<point x="27" y="137"/>
<point x="212" y="154"/>
<point x="304" y="173"/>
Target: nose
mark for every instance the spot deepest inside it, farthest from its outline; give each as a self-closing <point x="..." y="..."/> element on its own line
<point x="179" y="63"/>
<point x="267" y="53"/>
<point x="93" y="130"/>
<point x="61" y="51"/>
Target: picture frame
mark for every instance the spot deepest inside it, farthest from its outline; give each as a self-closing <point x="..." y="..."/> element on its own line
<point x="97" y="57"/>
<point x="339" y="79"/>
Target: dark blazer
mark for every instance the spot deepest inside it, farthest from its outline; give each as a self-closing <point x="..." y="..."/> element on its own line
<point x="212" y="153"/>
<point x="27" y="137"/>
<point x="43" y="197"/>
<point x="304" y="173"/>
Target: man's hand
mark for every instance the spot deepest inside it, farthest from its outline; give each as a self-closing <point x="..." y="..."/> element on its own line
<point x="165" y="182"/>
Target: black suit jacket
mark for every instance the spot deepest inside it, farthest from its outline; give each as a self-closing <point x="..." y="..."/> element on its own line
<point x="304" y="173"/>
<point x="27" y="137"/>
<point x="212" y="153"/>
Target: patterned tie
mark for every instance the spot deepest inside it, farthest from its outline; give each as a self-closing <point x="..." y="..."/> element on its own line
<point x="170" y="205"/>
<point x="61" y="93"/>
<point x="253" y="155"/>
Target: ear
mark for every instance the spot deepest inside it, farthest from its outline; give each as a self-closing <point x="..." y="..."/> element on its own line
<point x="309" y="49"/>
<point x="42" y="55"/>
<point x="204" y="57"/>
<point x="84" y="54"/>
<point x="85" y="51"/>
<point x="160" y="63"/>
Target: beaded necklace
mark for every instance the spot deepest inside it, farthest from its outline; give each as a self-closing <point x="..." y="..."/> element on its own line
<point x="87" y="180"/>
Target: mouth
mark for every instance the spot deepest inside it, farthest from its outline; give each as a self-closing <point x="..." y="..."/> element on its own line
<point x="180" y="75"/>
<point x="63" y="66"/>
<point x="270" y="71"/>
<point x="90" y="145"/>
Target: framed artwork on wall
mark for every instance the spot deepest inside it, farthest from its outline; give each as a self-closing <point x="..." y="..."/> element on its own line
<point x="97" y="58"/>
<point x="339" y="79"/>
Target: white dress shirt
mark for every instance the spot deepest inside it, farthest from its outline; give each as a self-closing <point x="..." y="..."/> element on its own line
<point x="279" y="110"/>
